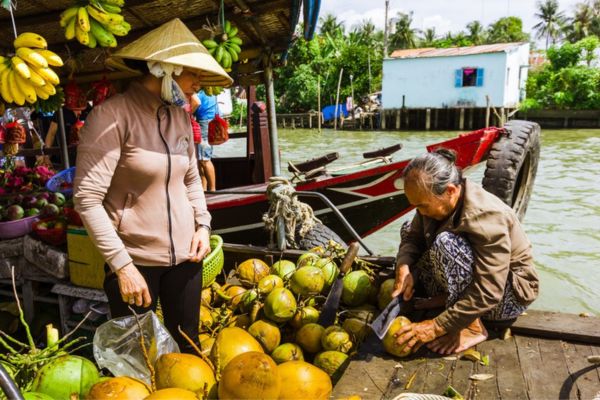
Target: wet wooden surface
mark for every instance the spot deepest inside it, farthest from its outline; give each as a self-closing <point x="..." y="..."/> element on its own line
<point x="523" y="367"/>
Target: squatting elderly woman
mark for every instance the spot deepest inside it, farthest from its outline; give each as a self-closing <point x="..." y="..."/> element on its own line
<point x="137" y="186"/>
<point x="468" y="251"/>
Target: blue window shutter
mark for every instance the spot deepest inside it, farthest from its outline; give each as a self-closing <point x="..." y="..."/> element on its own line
<point x="458" y="78"/>
<point x="479" y="77"/>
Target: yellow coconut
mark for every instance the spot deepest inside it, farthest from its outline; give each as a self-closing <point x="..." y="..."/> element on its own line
<point x="206" y="343"/>
<point x="250" y="375"/>
<point x="251" y="271"/>
<point x="268" y="283"/>
<point x="119" y="388"/>
<point x="185" y="371"/>
<point x="309" y="337"/>
<point x="301" y="380"/>
<point x="266" y="333"/>
<point x="206" y="319"/>
<point x="235" y="294"/>
<point x="390" y="343"/>
<point x="172" y="394"/>
<point x="231" y="342"/>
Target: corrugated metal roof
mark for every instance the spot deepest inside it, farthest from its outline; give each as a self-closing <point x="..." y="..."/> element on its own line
<point x="455" y="51"/>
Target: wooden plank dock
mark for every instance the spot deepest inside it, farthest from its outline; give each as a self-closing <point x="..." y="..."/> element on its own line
<point x="535" y="363"/>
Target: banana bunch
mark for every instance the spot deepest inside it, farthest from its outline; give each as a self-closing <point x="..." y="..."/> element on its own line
<point x="213" y="90"/>
<point x="27" y="75"/>
<point x="53" y="103"/>
<point x="227" y="50"/>
<point x="96" y="23"/>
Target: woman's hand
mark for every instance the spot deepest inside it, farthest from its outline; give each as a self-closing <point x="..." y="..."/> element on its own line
<point x="133" y="286"/>
<point x="404" y="283"/>
<point x="415" y="335"/>
<point x="200" y="245"/>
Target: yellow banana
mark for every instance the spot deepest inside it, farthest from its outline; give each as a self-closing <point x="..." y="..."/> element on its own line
<point x="48" y="89"/>
<point x="30" y="39"/>
<point x="82" y="36"/>
<point x="110" y="8"/>
<point x="83" y="19"/>
<point x="70" y="29"/>
<point x="41" y="93"/>
<point x="67" y="15"/>
<point x="5" y="92"/>
<point x="48" y="75"/>
<point x="52" y="58"/>
<point x="26" y="88"/>
<point x="36" y="79"/>
<point x="21" y="67"/>
<point x="117" y="30"/>
<point x="93" y="41"/>
<point x="4" y="64"/>
<point x="17" y="95"/>
<point x="119" y="3"/>
<point x="103" y="17"/>
<point x="32" y="57"/>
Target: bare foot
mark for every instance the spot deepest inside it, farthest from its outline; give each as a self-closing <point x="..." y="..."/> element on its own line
<point x="455" y="343"/>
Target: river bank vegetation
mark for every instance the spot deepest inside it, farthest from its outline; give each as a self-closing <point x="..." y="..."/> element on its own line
<point x="568" y="78"/>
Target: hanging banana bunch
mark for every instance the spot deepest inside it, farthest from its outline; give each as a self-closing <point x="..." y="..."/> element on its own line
<point x="228" y="47"/>
<point x="28" y="75"/>
<point x="95" y="24"/>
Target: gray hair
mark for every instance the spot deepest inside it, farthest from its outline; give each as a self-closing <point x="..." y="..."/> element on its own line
<point x="434" y="171"/>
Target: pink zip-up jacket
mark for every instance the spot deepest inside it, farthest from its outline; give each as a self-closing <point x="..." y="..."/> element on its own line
<point x="137" y="187"/>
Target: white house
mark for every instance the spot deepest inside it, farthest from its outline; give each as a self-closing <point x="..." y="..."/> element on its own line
<point x="456" y="77"/>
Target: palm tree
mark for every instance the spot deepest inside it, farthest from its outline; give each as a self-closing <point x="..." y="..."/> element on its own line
<point x="331" y="26"/>
<point x="476" y="33"/>
<point x="551" y="21"/>
<point x="404" y="37"/>
<point x="429" y="38"/>
<point x="580" y="25"/>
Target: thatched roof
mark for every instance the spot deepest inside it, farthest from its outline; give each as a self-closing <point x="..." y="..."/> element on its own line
<point x="266" y="26"/>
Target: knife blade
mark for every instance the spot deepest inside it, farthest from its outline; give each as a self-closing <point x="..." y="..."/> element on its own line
<point x="381" y="324"/>
<point x="330" y="307"/>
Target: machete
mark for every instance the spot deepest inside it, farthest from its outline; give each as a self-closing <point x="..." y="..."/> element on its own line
<point x="330" y="307"/>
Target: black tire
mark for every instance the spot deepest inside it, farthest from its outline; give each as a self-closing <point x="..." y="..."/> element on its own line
<point x="319" y="235"/>
<point x="512" y="165"/>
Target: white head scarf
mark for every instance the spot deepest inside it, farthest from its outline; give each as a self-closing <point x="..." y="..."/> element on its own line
<point x="170" y="90"/>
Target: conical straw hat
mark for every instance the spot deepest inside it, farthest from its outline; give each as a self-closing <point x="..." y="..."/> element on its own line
<point x="174" y="43"/>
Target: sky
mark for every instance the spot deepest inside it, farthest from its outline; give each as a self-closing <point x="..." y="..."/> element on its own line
<point x="444" y="15"/>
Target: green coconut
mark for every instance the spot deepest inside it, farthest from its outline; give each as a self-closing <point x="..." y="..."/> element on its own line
<point x="357" y="328"/>
<point x="335" y="338"/>
<point x="268" y="283"/>
<point x="309" y="338"/>
<point x="385" y="293"/>
<point x="366" y="312"/>
<point x="307" y="281"/>
<point x="332" y="362"/>
<point x="329" y="269"/>
<point x="307" y="259"/>
<point x="303" y="316"/>
<point x="287" y="352"/>
<point x="283" y="269"/>
<point x="357" y="287"/>
<point x="267" y="334"/>
<point x="248" y="299"/>
<point x="36" y="396"/>
<point x="280" y="305"/>
<point x="65" y="377"/>
<point x="390" y="342"/>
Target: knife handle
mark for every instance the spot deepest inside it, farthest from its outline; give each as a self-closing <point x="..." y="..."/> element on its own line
<point x="351" y="254"/>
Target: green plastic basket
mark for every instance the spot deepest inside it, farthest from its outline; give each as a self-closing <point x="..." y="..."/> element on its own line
<point x="213" y="263"/>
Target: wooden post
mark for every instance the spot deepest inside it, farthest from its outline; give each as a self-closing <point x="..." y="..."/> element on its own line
<point x="487" y="111"/>
<point x="63" y="139"/>
<point x="461" y="119"/>
<point x="502" y="116"/>
<point x="383" y="121"/>
<point x="293" y="123"/>
<point x="436" y="115"/>
<point x="319" y="102"/>
<point x="302" y="121"/>
<point x="310" y="121"/>
<point x="471" y="114"/>
<point x="406" y="118"/>
<point x="337" y="100"/>
<point x="268" y="76"/>
<point x="371" y="121"/>
<point x="428" y="119"/>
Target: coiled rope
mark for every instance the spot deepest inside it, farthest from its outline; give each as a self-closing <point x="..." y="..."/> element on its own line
<point x="294" y="213"/>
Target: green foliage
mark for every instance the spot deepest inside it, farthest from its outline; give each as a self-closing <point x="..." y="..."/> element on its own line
<point x="507" y="30"/>
<point x="565" y="56"/>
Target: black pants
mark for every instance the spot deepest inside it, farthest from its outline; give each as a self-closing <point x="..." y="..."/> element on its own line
<point x="178" y="288"/>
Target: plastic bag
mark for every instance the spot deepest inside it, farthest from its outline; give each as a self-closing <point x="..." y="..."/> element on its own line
<point x="218" y="131"/>
<point x="117" y="345"/>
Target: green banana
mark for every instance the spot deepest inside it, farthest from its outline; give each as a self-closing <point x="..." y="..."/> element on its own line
<point x="232" y="32"/>
<point x="227" y="27"/>
<point x="212" y="51"/>
<point x="237" y="40"/>
<point x="235" y="47"/>
<point x="118" y="3"/>
<point x="67" y="15"/>
<point x="234" y="55"/>
<point x="104" y="37"/>
<point x="92" y="41"/>
<point x="209" y="43"/>
<point x="219" y="53"/>
<point x="110" y="8"/>
<point x="117" y="30"/>
<point x="226" y="60"/>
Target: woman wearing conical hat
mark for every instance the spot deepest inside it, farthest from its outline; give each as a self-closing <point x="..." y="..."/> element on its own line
<point x="137" y="186"/>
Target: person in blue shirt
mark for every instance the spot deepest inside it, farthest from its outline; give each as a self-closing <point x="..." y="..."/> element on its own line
<point x="204" y="109"/>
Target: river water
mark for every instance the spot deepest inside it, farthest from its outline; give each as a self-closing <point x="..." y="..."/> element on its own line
<point x="563" y="217"/>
